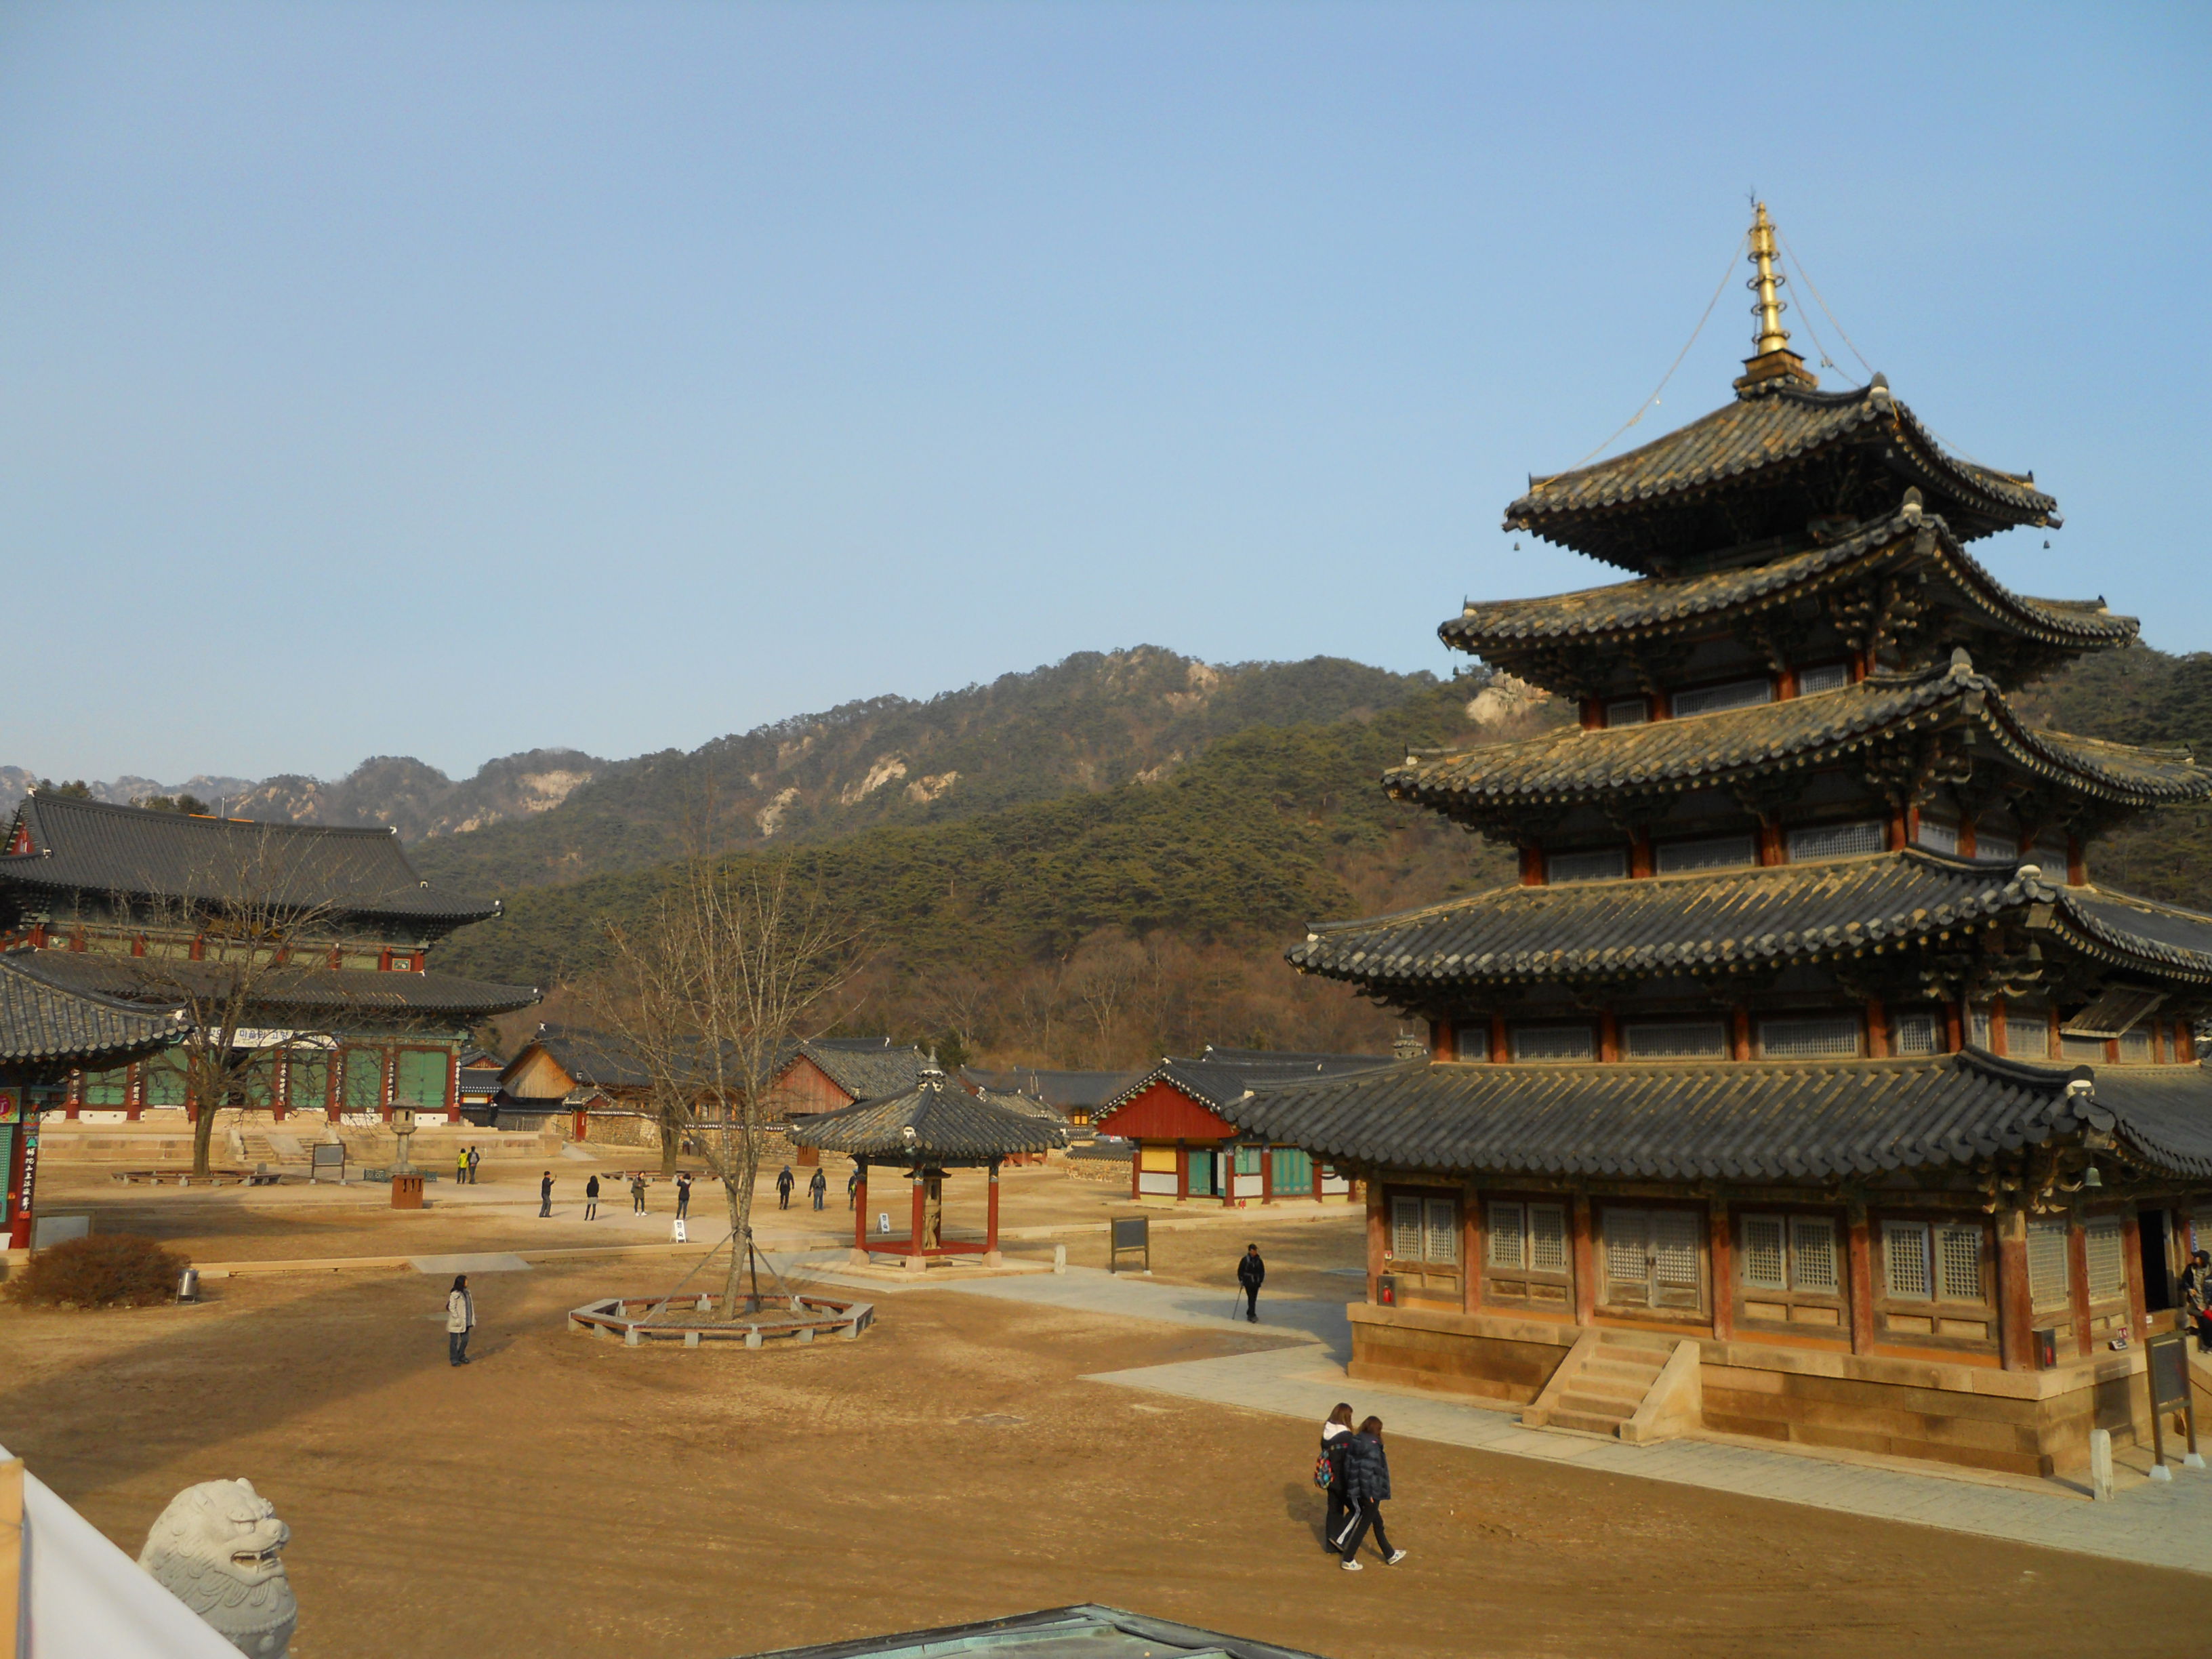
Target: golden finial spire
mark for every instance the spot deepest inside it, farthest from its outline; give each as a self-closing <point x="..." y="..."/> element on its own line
<point x="1770" y="356"/>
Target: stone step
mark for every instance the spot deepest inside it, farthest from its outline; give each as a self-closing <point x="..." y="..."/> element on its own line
<point x="1588" y="1423"/>
<point x="1628" y="1370"/>
<point x="1590" y="1405"/>
<point x="1629" y="1393"/>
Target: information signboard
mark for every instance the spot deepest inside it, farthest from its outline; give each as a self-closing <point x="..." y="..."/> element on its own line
<point x="1131" y="1232"/>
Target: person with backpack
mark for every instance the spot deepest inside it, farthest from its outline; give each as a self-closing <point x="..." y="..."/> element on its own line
<point x="1251" y="1273"/>
<point x="1329" y="1474"/>
<point x="476" y="1163"/>
<point x="545" y="1195"/>
<point x="592" y="1199"/>
<point x="853" y="1188"/>
<point x="461" y="1167"/>
<point x="817" y="1186"/>
<point x="784" y="1183"/>
<point x="1366" y="1486"/>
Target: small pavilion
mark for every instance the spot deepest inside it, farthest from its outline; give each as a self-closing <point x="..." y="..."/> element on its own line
<point x="927" y="1130"/>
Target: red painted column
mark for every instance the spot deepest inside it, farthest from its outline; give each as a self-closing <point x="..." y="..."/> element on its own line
<point x="2077" y="1275"/>
<point x="1532" y="867"/>
<point x="1470" y="1250"/>
<point x="991" y="1212"/>
<point x="1266" y="1175"/>
<point x="1499" y="1054"/>
<point x="860" y="1209"/>
<point x="1585" y="1242"/>
<point x="2015" y="1307"/>
<point x="1720" y="1248"/>
<point x="453" y="1086"/>
<point x="1136" y="1171"/>
<point x="1858" y="1241"/>
<point x="1377" y="1235"/>
<point x="23" y="1170"/>
<point x="1877" y="1020"/>
<point x="2131" y="1261"/>
<point x="913" y="1237"/>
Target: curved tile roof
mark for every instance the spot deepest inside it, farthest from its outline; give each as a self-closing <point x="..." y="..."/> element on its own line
<point x="947" y="1124"/>
<point x="1655" y="605"/>
<point x="1572" y="764"/>
<point x="87" y="846"/>
<point x="1735" y="448"/>
<point x="45" y="1023"/>
<point x="1767" y="1120"/>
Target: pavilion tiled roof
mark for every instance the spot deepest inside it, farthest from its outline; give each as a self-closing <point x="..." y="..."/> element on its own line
<point x="932" y="1120"/>
<point x="1570" y="764"/>
<point x="1507" y="630"/>
<point x="92" y="847"/>
<point x="1219" y="1076"/>
<point x="307" y="991"/>
<point x="43" y="1023"/>
<point x="1759" y="444"/>
<point x="1784" y="1121"/>
<point x="864" y="1067"/>
<point x="1722" y="921"/>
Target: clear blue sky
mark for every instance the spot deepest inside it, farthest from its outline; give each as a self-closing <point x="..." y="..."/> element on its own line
<point x="447" y="380"/>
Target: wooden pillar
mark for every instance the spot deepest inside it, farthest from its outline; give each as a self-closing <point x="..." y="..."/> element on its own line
<point x="1997" y="1026"/>
<point x="1183" y="1172"/>
<point x="1639" y="854"/>
<point x="1893" y="836"/>
<point x="1877" y="1020"/>
<point x="913" y="1256"/>
<point x="1378" y="1236"/>
<point x="2131" y="1262"/>
<point x="2184" y="1043"/>
<point x="2077" y="1282"/>
<point x="1720" y="1249"/>
<point x="991" y="1217"/>
<point x="1593" y="714"/>
<point x="1584" y="1240"/>
<point x="134" y="1090"/>
<point x="1771" y="850"/>
<point x="1266" y="1175"/>
<point x="1470" y="1250"/>
<point x="2015" y="1306"/>
<point x="1442" y="1044"/>
<point x="1532" y="867"/>
<point x="1609" y="1037"/>
<point x="2077" y="869"/>
<point x="860" y="1208"/>
<point x="1740" y="1024"/>
<point x="1499" y="1053"/>
<point x="1858" y="1239"/>
<point x="454" y="1084"/>
<point x="1136" y="1171"/>
<point x="1955" y="1025"/>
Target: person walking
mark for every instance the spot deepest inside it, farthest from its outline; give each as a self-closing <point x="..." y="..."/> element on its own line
<point x="1366" y="1486"/>
<point x="819" y="1187"/>
<point x="637" y="1194"/>
<point x="853" y="1188"/>
<point x="460" y="1320"/>
<point x="461" y="1167"/>
<point x="683" y="1196"/>
<point x="1336" y="1438"/>
<point x="784" y="1183"/>
<point x="545" y="1194"/>
<point x="475" y="1162"/>
<point x="2197" y="1297"/>
<point x="1251" y="1273"/>
<point x="592" y="1199"/>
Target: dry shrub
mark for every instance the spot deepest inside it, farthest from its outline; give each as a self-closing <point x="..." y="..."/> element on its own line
<point x="103" y="1270"/>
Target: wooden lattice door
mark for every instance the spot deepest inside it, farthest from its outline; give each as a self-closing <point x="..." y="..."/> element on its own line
<point x="1653" y="1259"/>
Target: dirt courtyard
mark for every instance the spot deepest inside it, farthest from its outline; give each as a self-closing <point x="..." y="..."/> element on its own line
<point x="564" y="1495"/>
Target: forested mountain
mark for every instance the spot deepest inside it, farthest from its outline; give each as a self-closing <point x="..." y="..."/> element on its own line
<point x="1092" y="722"/>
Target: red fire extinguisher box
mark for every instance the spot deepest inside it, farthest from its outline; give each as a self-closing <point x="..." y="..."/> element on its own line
<point x="2047" y="1347"/>
<point x="1385" y="1290"/>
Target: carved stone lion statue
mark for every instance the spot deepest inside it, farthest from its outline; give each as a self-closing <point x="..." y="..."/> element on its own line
<point x="219" y="1549"/>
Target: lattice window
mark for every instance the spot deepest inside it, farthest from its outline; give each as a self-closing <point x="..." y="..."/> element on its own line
<point x="1547" y="1238"/>
<point x="1837" y="841"/>
<point x="1904" y="1260"/>
<point x="1471" y="1039"/>
<point x="2078" y="1049"/>
<point x="2136" y="1048"/>
<point x="2048" y="1280"/>
<point x="1937" y="836"/>
<point x="1736" y="694"/>
<point x="1406" y="1228"/>
<point x="1543" y="1043"/>
<point x="1674" y="1246"/>
<point x="1627" y="711"/>
<point x="1508" y="1235"/>
<point x="1603" y="864"/>
<point x="1627" y="1255"/>
<point x="1809" y="1034"/>
<point x="2101" y="1242"/>
<point x="2028" y="1031"/>
<point x="1917" y="1032"/>
<point x="1675" y="1039"/>
<point x="1990" y="845"/>
<point x="1828" y="676"/>
<point x="364" y="1079"/>
<point x="2052" y="855"/>
<point x="1812" y="1254"/>
<point x="1713" y="853"/>
<point x="1442" y="1245"/>
<point x="1765" y="1261"/>
<point x="1978" y="1031"/>
<point x="1958" y="1263"/>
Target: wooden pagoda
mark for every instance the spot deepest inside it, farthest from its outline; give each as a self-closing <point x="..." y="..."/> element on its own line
<point x="927" y="1130"/>
<point x="1808" y="1085"/>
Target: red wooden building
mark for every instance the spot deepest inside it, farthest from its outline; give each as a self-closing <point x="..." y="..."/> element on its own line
<point x="1181" y="1119"/>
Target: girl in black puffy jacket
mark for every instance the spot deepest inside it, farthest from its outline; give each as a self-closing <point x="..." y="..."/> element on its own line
<point x="1367" y="1484"/>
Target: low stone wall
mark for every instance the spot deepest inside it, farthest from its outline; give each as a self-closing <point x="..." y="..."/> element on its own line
<point x="2034" y="1423"/>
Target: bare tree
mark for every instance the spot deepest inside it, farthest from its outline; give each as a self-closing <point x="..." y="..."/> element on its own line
<point x="247" y="929"/>
<point x="716" y="978"/>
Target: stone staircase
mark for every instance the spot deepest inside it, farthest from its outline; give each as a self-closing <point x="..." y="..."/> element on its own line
<point x="1625" y="1385"/>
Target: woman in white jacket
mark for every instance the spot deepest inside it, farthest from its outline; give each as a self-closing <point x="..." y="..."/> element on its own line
<point x="460" y="1320"/>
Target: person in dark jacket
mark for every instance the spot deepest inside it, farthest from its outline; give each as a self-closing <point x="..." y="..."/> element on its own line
<point x="2197" y="1297"/>
<point x="683" y="1196"/>
<point x="545" y="1193"/>
<point x="784" y="1183"/>
<point x="1335" y="1437"/>
<point x="1251" y="1273"/>
<point x="853" y="1188"/>
<point x="637" y="1194"/>
<point x="592" y="1199"/>
<point x="819" y="1187"/>
<point x="1366" y="1485"/>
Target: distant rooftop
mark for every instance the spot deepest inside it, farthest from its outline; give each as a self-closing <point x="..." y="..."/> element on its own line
<point x="1078" y="1632"/>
